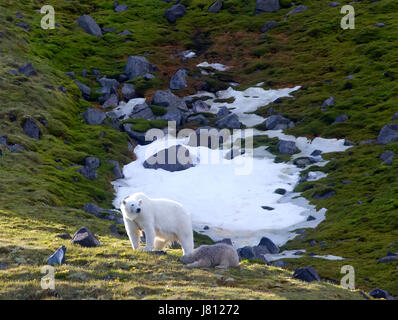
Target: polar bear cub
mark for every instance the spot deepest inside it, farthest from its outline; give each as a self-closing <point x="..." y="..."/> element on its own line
<point x="162" y="220"/>
<point x="219" y="255"/>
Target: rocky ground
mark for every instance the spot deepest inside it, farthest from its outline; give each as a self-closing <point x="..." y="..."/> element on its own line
<point x="65" y="134"/>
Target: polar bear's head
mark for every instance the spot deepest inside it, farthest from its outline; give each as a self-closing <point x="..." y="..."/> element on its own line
<point x="131" y="207"/>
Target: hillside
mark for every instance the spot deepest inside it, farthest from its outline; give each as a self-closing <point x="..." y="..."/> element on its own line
<point x="42" y="194"/>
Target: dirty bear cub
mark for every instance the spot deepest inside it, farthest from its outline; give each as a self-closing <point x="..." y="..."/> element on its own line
<point x="162" y="220"/>
<point x="218" y="255"/>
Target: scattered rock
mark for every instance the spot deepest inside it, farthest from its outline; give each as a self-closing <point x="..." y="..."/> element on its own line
<point x="388" y="259"/>
<point x="296" y="10"/>
<point x="88" y="173"/>
<point x="389" y="133"/>
<point x="138" y="137"/>
<point x="175" y="158"/>
<point x="92" y="162"/>
<point x="23" y="25"/>
<point x="311" y="218"/>
<point x="316" y="153"/>
<point x="287" y="147"/>
<point x="94" y="116"/>
<point x="267" y="208"/>
<point x="380" y="294"/>
<point x="334" y="4"/>
<point x="128" y="91"/>
<point x="200" y="118"/>
<point x="348" y="143"/>
<point x="324" y="195"/>
<point x="307" y="274"/>
<point x="89" y="25"/>
<point x="65" y="236"/>
<point x="328" y="102"/>
<point x="279" y="264"/>
<point x="246" y="253"/>
<point x="271" y="247"/>
<point x="380" y="25"/>
<point x="31" y="129"/>
<point x="113" y="229"/>
<point x="267" y="6"/>
<point x="208" y="137"/>
<point x="387" y="157"/>
<point x="138" y="66"/>
<point x="233" y="153"/>
<point x="124" y="33"/>
<point x="27" y="70"/>
<point x="280" y="191"/>
<point x="200" y="106"/>
<point x="231" y="121"/>
<point x="117" y="172"/>
<point x="341" y="118"/>
<point x="71" y="75"/>
<point x="277" y="122"/>
<point x="216" y="7"/>
<point x="268" y="26"/>
<point x="58" y="257"/>
<point x="121" y="7"/>
<point x="179" y="81"/>
<point x="175" y="12"/>
<point x="169" y="100"/>
<point x="85" y="90"/>
<point x="3" y="265"/>
<point x="395" y="116"/>
<point x="222" y="112"/>
<point x="85" y="238"/>
<point x="112" y="101"/>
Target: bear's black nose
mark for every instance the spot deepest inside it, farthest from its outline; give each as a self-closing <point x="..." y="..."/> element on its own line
<point x="138" y="210"/>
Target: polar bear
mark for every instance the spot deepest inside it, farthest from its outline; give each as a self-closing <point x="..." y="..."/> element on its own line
<point x="219" y="255"/>
<point x="162" y="220"/>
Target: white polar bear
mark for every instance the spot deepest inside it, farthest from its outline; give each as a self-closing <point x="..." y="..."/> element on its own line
<point x="162" y="220"/>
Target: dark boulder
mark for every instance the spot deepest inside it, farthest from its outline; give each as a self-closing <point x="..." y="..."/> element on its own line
<point x="279" y="264"/>
<point x="387" y="157"/>
<point x="128" y="91"/>
<point x="179" y="81"/>
<point x="85" y="90"/>
<point x="268" y="26"/>
<point x="388" y="259"/>
<point x="175" y="158"/>
<point x="334" y="4"/>
<point x="287" y="147"/>
<point x="138" y="66"/>
<point x="169" y="100"/>
<point x="27" y="70"/>
<point x="277" y="122"/>
<point x="216" y="7"/>
<point x="341" y="118"/>
<point x="108" y="86"/>
<point x="89" y="25"/>
<point x="92" y="162"/>
<point x="328" y="102"/>
<point x="64" y="236"/>
<point x="200" y="118"/>
<point x="85" y="238"/>
<point x="94" y="116"/>
<point x="174" y="116"/>
<point x="31" y="129"/>
<point x="246" y="253"/>
<point x="222" y="112"/>
<point x="388" y="134"/>
<point x="395" y="116"/>
<point x="380" y="294"/>
<point x="117" y="171"/>
<point x="271" y="247"/>
<point x="231" y="121"/>
<point x="88" y="173"/>
<point x="138" y="137"/>
<point x="112" y="101"/>
<point x="226" y="241"/>
<point x="121" y="7"/>
<point x="175" y="12"/>
<point x="324" y="195"/>
<point x="58" y="257"/>
<point x="200" y="106"/>
<point x="280" y="191"/>
<point x="296" y="10"/>
<point x="307" y="274"/>
<point x="267" y="6"/>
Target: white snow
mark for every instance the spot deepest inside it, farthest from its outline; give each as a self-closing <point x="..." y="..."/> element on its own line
<point x="290" y="254"/>
<point x="246" y="101"/>
<point x="126" y="108"/>
<point x="215" y="66"/>
<point x="230" y="204"/>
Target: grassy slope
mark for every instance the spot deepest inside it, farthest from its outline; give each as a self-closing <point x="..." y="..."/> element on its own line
<point x="306" y="50"/>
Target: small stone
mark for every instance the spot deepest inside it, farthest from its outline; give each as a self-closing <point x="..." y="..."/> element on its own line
<point x="85" y="238"/>
<point x="58" y="257"/>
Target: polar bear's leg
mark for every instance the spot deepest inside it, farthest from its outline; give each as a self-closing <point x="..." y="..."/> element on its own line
<point x="160" y="244"/>
<point x="149" y="238"/>
<point x="202" y="263"/>
<point x="133" y="232"/>
<point x="187" y="243"/>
